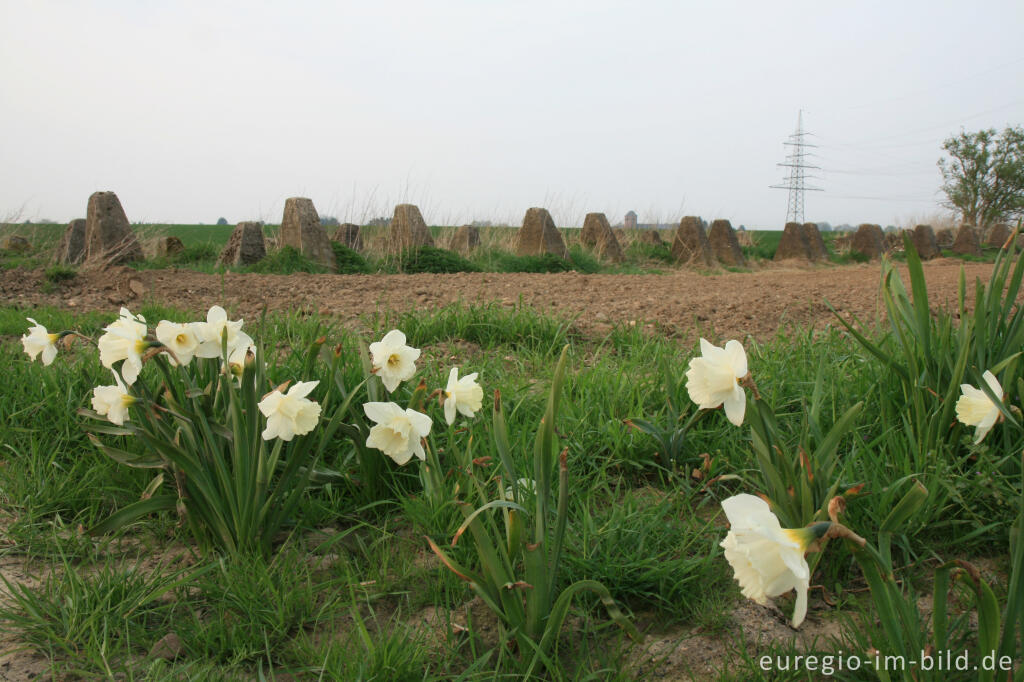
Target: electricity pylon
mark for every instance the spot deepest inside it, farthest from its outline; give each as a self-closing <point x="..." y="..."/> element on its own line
<point x="796" y="161"/>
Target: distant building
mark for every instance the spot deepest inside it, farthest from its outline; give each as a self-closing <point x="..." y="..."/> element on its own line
<point x="630" y="222"/>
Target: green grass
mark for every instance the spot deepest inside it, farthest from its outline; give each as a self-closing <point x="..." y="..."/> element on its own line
<point x="350" y="591"/>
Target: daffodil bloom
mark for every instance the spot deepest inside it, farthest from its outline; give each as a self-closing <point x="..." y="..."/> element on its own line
<point x="464" y="395"/>
<point x="211" y="334"/>
<point x="974" y="408"/>
<point x="290" y="414"/>
<point x="767" y="559"/>
<point x="714" y="379"/>
<point x="112" y="402"/>
<point x="40" y="342"/>
<point x="181" y="339"/>
<point x="125" y="339"/>
<point x="398" y="433"/>
<point x="393" y="361"/>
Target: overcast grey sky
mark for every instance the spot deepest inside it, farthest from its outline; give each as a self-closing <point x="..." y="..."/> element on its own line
<point x="479" y="110"/>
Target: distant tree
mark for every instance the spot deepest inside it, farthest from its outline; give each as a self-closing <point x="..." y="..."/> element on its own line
<point x="384" y="222"/>
<point x="222" y="221"/>
<point x="329" y="221"/>
<point x="984" y="177"/>
<point x="824" y="226"/>
<point x="742" y="228"/>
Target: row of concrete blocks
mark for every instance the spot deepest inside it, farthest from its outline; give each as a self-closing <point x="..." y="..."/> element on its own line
<point x="105" y="237"/>
<point x="870" y="241"/>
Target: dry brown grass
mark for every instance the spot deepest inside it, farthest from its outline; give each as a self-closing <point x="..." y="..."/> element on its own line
<point x="939" y="220"/>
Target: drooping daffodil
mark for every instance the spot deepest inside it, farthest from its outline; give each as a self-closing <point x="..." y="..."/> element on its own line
<point x="393" y="361"/>
<point x="767" y="559"/>
<point x="398" y="432"/>
<point x="714" y="378"/>
<point x="113" y="401"/>
<point x="124" y="339"/>
<point x="39" y="342"/>
<point x="976" y="409"/>
<point x="217" y="330"/>
<point x="290" y="414"/>
<point x="464" y="395"/>
<point x="180" y="339"/>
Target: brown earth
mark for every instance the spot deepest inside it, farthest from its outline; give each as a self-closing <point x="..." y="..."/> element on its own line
<point x="727" y="305"/>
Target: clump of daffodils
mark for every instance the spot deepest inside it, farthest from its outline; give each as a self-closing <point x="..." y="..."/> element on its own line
<point x="716" y="379"/>
<point x="126" y="344"/>
<point x="400" y="433"/>
<point x="975" y="408"/>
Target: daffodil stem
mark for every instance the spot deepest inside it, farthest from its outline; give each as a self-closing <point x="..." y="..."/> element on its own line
<point x="838" y="530"/>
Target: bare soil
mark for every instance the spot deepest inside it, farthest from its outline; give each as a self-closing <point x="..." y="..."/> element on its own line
<point x="727" y="305"/>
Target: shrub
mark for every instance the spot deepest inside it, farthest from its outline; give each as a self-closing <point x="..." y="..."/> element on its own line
<point x="197" y="253"/>
<point x="432" y="259"/>
<point x="583" y="260"/>
<point x="545" y="263"/>
<point x="60" y="273"/>
<point x="348" y="261"/>
<point x="659" y="252"/>
<point x="285" y="261"/>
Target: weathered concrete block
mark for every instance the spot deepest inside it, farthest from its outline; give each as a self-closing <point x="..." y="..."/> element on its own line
<point x="997" y="235"/>
<point x="724" y="244"/>
<point x="350" y="235"/>
<point x="814" y="240"/>
<point x="869" y="240"/>
<point x="109" y="239"/>
<point x="597" y="234"/>
<point x="691" y="246"/>
<point x="465" y="240"/>
<point x="71" y="248"/>
<point x="967" y="242"/>
<point x="538" y="235"/>
<point x="301" y="230"/>
<point x="794" y="244"/>
<point x="245" y="246"/>
<point x="408" y="230"/>
<point x="923" y="238"/>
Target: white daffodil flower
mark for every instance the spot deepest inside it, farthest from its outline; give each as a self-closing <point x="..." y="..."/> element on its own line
<point x="181" y="339"/>
<point x="290" y="414"/>
<point x="767" y="559"/>
<point x="398" y="433"/>
<point x="713" y="379"/>
<point x="464" y="395"/>
<point x="974" y="408"/>
<point x="393" y="361"/>
<point x="211" y="334"/>
<point x="40" y="342"/>
<point x="125" y="339"/>
<point x="112" y="401"/>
